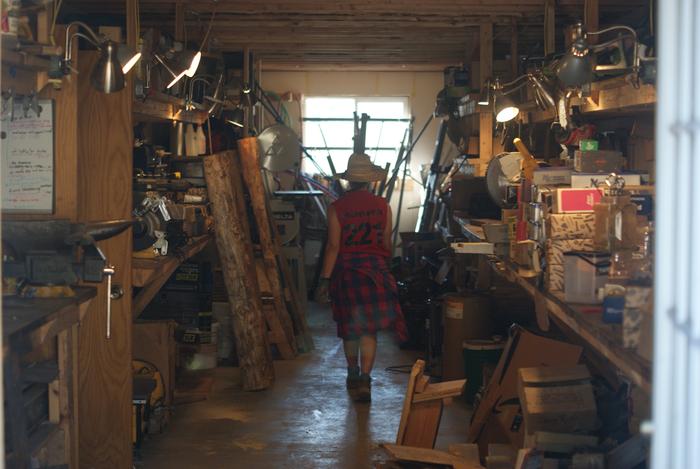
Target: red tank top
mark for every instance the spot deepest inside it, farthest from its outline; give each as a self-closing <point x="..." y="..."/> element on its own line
<point x="362" y="218"/>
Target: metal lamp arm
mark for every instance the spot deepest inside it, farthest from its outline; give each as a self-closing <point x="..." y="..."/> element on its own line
<point x="162" y="62"/>
<point x="631" y="33"/>
<point x="526" y="76"/>
<point x="92" y="38"/>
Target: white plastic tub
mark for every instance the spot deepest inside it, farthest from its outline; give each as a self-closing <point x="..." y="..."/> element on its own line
<point x="584" y="274"/>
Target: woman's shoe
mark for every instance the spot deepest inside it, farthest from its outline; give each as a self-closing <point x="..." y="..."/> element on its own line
<point x="364" y="388"/>
<point x="352" y="382"/>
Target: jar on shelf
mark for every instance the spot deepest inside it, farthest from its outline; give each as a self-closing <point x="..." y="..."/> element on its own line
<point x="615" y="218"/>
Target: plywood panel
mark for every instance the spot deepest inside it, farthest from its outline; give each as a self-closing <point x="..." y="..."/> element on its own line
<point x="104" y="169"/>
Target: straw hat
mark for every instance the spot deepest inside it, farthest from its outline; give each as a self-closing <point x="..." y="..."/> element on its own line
<point x="361" y="169"/>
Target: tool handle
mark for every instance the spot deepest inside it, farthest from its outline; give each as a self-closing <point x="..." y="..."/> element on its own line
<point x="109" y="271"/>
<point x="522" y="148"/>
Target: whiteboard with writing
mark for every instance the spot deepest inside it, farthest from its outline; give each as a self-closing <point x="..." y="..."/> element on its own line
<point x="27" y="159"/>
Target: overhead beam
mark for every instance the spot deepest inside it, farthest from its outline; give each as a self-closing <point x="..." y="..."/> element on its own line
<point x="591" y="17"/>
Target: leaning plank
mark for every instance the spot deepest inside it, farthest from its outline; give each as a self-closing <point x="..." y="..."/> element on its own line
<point x="429" y="456"/>
<point x="249" y="160"/>
<point x="236" y="256"/>
<point x="416" y="374"/>
<point x="440" y="391"/>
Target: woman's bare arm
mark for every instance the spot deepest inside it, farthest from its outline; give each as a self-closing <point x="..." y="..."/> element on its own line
<point x="332" y="244"/>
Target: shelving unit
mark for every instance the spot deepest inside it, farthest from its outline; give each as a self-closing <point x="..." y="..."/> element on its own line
<point x="151" y="274"/>
<point x="613" y="95"/>
<point x="585" y="324"/>
<point x="28" y="326"/>
<point x="160" y="107"/>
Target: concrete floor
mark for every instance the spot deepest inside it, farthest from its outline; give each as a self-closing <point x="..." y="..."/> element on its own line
<point x="305" y="421"/>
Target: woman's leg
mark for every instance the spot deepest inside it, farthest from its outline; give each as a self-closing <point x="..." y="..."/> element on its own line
<point x="368" y="350"/>
<point x="351" y="347"/>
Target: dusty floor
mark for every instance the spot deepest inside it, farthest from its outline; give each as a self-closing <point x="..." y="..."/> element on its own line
<point x="305" y="421"/>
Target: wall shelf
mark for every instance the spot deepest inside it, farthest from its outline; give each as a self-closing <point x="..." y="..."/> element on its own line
<point x="160" y="107"/>
<point x="613" y="95"/>
<point x="151" y="274"/>
<point x="585" y="326"/>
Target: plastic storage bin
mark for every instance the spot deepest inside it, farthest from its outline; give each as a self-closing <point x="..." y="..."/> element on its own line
<point x="584" y="274"/>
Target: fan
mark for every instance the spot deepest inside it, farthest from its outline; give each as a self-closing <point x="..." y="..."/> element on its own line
<point x="503" y="172"/>
<point x="280" y="148"/>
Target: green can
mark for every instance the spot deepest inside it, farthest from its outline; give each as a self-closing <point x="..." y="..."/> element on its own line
<point x="477" y="353"/>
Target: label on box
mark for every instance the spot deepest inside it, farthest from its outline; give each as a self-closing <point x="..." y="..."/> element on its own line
<point x="613" y="309"/>
<point x="586" y="180"/>
<point x="454" y="309"/>
<point x="577" y="200"/>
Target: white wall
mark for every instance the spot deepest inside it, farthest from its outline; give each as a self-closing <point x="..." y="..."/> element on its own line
<point x="420" y="87"/>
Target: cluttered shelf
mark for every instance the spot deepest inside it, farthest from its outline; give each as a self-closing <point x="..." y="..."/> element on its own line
<point x="151" y="274"/>
<point x="582" y="320"/>
<point x="159" y="107"/>
<point x="613" y="95"/>
<point x="40" y="317"/>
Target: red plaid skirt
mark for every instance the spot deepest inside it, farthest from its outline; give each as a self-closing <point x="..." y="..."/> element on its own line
<point x="364" y="297"/>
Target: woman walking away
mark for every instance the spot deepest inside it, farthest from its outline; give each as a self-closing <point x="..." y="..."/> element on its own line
<point x="356" y="274"/>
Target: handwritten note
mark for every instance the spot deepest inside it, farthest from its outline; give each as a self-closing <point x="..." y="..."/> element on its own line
<point x="27" y="159"/>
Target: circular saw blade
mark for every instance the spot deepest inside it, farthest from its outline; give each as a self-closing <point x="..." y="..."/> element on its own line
<point x="503" y="171"/>
<point x="280" y="149"/>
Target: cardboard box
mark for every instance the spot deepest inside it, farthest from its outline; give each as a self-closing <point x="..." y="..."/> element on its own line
<point x="600" y="161"/>
<point x="562" y="443"/>
<point x="555" y="399"/>
<point x="497" y="233"/>
<point x="554" y="277"/>
<point x="524" y="349"/>
<point x="580" y="180"/>
<point x="555" y="248"/>
<point x="570" y="225"/>
<point x="553" y="176"/>
<point x="576" y="200"/>
<point x="473" y="248"/>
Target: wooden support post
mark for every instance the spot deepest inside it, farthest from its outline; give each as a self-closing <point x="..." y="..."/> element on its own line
<point x="179" y="21"/>
<point x="246" y="81"/>
<point x="549" y="27"/>
<point x="132" y="32"/>
<point x="485" y="117"/>
<point x="591" y="18"/>
<point x="250" y="163"/>
<point x="236" y="260"/>
<point x="514" y="62"/>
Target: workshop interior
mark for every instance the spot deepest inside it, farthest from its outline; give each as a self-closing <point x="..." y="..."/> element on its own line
<point x="170" y="175"/>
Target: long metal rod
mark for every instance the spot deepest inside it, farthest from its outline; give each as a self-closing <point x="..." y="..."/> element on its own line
<point x="350" y="119"/>
<point x="407" y="162"/>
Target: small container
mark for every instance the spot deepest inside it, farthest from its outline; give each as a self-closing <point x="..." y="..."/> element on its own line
<point x="478" y="353"/>
<point x="584" y="274"/>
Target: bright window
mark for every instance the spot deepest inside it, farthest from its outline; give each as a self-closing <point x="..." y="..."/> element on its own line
<point x="328" y="129"/>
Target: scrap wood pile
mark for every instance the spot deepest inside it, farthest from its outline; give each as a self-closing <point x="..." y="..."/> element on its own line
<point x="266" y="309"/>
<point x="541" y="409"/>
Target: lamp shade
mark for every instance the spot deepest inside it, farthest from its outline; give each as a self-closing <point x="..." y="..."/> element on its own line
<point x="107" y="75"/>
<point x="189" y="62"/>
<point x="128" y="57"/>
<point x="506" y="110"/>
<point x="576" y="68"/>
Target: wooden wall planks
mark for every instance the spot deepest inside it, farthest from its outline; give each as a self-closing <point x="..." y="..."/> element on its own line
<point x="104" y="176"/>
<point x="65" y="141"/>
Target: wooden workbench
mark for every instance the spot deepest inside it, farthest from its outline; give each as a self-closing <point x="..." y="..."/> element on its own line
<point x="582" y="321"/>
<point x="151" y="274"/>
<point x="28" y="325"/>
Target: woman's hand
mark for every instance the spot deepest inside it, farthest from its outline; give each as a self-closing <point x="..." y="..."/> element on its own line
<point x="322" y="294"/>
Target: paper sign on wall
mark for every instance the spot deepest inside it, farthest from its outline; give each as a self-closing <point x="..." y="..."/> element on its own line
<point x="27" y="159"/>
